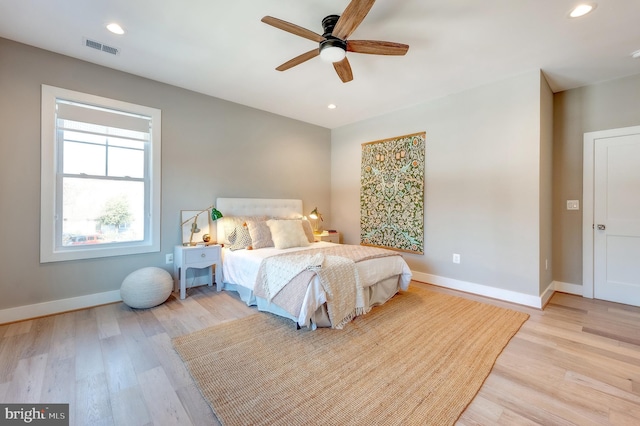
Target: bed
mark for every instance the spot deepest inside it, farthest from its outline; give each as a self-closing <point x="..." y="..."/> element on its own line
<point x="316" y="273"/>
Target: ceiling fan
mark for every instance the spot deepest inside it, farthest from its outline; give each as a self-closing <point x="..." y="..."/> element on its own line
<point x="333" y="44"/>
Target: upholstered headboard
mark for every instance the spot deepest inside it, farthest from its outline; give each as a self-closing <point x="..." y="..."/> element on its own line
<point x="272" y="207"/>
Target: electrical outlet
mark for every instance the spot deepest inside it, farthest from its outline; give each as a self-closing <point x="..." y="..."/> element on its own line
<point x="169" y="258"/>
<point x="456" y="258"/>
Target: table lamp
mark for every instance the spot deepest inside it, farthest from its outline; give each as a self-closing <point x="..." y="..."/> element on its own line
<point x="215" y="215"/>
<point x="317" y="217"/>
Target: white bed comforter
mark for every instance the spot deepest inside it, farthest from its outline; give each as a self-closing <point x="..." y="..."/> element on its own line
<point x="241" y="267"/>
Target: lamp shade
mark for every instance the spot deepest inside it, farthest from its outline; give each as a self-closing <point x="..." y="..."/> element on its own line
<point x="315" y="214"/>
<point x="215" y="214"/>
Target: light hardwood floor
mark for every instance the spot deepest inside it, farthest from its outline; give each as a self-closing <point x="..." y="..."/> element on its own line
<point x="577" y="362"/>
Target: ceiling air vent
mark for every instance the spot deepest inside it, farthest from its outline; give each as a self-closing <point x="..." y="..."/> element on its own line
<point x="100" y="46"/>
<point x="109" y="49"/>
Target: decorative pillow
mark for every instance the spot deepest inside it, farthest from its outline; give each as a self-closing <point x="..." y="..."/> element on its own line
<point x="241" y="238"/>
<point x="231" y="237"/>
<point x="260" y="234"/>
<point x="231" y="222"/>
<point x="287" y="233"/>
<point x="307" y="230"/>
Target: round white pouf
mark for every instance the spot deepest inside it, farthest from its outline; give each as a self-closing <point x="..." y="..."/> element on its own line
<point x="146" y="287"/>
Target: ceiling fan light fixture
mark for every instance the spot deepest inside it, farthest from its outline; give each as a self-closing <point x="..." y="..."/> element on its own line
<point x="332" y="54"/>
<point x="333" y="50"/>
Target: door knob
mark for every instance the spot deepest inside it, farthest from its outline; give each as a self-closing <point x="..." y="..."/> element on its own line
<point x="601" y="227"/>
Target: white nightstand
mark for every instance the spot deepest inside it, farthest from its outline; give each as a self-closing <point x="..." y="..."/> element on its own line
<point x="332" y="237"/>
<point x="185" y="257"/>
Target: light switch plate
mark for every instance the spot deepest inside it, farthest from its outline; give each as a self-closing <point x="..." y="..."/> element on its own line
<point x="573" y="205"/>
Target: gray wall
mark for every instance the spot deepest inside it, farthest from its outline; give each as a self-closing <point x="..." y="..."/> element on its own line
<point x="603" y="106"/>
<point x="482" y="186"/>
<point x="488" y="172"/>
<point x="210" y="148"/>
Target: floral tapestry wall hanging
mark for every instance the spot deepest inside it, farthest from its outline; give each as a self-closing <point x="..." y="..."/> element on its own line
<point x="392" y="193"/>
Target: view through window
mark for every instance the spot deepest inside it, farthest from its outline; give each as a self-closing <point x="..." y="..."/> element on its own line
<point x="103" y="182"/>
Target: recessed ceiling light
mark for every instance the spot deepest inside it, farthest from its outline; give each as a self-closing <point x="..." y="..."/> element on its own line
<point x="636" y="54"/>
<point x="115" y="28"/>
<point x="582" y="9"/>
<point x="331" y="106"/>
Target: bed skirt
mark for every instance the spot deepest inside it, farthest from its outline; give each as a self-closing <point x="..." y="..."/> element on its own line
<point x="374" y="295"/>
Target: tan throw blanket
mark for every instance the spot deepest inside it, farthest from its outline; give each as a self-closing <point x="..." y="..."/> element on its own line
<point x="277" y="271"/>
<point x="283" y="279"/>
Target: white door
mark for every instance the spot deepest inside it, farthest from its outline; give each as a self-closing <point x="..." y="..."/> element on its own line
<point x="616" y="213"/>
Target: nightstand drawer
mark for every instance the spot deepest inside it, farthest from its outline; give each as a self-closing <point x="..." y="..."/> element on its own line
<point x="205" y="254"/>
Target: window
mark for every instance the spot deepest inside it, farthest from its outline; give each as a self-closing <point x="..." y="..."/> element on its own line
<point x="100" y="177"/>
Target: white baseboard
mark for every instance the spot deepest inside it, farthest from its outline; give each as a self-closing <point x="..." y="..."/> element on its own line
<point x="64" y="305"/>
<point x="483" y="290"/>
<point x="568" y="288"/>
<point x="58" y="306"/>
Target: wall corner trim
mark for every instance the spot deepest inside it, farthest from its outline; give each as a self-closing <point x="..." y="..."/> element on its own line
<point x="21" y="313"/>
<point x="547" y="294"/>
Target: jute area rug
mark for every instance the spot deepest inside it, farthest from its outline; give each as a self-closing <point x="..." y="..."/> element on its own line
<point x="419" y="359"/>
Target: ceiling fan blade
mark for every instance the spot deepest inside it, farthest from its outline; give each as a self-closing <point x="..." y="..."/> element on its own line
<point x="292" y="28"/>
<point x="299" y="59"/>
<point x="343" y="68"/>
<point x="351" y="18"/>
<point x="374" y="47"/>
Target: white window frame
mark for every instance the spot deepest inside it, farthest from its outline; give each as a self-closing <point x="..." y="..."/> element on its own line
<point x="49" y="250"/>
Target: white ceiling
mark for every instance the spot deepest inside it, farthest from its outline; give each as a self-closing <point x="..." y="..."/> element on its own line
<point x="220" y="48"/>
